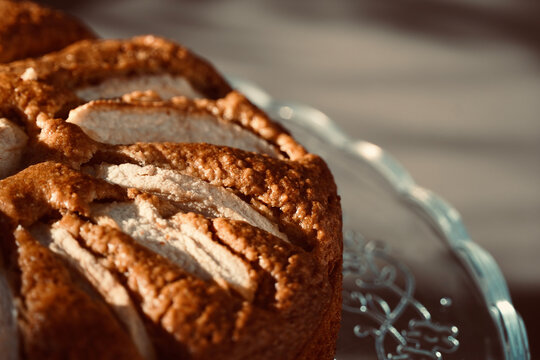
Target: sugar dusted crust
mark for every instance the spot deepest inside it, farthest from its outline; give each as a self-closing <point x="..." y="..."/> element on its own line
<point x="279" y="297"/>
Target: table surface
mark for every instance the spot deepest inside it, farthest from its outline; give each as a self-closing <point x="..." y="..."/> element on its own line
<point x="451" y="89"/>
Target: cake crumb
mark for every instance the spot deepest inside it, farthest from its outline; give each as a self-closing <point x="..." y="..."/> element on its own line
<point x="29" y="74"/>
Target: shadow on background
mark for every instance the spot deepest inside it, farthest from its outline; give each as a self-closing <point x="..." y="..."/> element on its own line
<point x="516" y="21"/>
<point x="463" y="21"/>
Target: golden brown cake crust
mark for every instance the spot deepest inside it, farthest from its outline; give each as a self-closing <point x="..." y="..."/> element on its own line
<point x="295" y="310"/>
<point x="58" y="319"/>
<point x="168" y="296"/>
<point x="92" y="61"/>
<point x="303" y="191"/>
<point x="234" y="107"/>
<point x="28" y="29"/>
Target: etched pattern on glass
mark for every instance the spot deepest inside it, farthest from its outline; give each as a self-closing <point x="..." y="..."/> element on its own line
<point x="381" y="288"/>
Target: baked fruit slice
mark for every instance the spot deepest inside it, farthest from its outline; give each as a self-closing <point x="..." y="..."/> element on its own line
<point x="190" y="226"/>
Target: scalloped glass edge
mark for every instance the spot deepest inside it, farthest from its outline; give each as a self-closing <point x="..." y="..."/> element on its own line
<point x="446" y="219"/>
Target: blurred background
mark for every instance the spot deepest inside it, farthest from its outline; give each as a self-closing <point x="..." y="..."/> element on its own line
<point x="450" y="88"/>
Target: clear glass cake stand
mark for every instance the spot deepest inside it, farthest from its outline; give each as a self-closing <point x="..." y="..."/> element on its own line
<point x="415" y="285"/>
